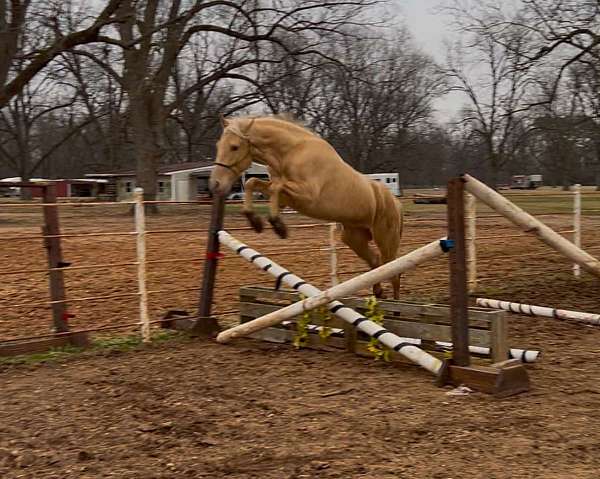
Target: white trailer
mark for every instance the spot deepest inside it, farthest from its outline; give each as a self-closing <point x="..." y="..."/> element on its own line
<point x="529" y="182"/>
<point x="390" y="180"/>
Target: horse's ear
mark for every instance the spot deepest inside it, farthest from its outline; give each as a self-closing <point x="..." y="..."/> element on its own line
<point x="224" y="121"/>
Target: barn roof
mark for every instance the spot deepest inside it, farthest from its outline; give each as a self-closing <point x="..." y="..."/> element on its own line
<point x="165" y="169"/>
<point x="162" y="170"/>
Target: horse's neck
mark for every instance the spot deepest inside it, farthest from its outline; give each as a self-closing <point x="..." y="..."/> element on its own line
<point x="272" y="143"/>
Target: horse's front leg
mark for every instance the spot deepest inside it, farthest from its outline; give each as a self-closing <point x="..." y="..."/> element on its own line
<point x="252" y="185"/>
<point x="275" y="203"/>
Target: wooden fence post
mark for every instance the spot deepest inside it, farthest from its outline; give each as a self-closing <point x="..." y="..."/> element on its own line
<point x="458" y="273"/>
<point x="51" y="231"/>
<point x="140" y="229"/>
<point x="205" y="324"/>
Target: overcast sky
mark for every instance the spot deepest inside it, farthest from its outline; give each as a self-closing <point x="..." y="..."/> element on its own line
<point x="429" y="31"/>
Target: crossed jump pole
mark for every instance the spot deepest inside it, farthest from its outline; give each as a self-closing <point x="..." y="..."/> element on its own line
<point x="396" y="343"/>
<point x="316" y="298"/>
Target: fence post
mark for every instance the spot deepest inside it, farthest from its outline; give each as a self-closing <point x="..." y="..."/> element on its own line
<point x="51" y="230"/>
<point x="458" y="273"/>
<point x="470" y="235"/>
<point x="205" y="324"/>
<point x="140" y="229"/>
<point x="333" y="254"/>
<point x="577" y="224"/>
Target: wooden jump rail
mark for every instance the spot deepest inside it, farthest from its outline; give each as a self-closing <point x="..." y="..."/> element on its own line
<point x="531" y="225"/>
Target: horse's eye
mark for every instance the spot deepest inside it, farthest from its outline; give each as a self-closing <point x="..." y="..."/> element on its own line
<point x="235" y="147"/>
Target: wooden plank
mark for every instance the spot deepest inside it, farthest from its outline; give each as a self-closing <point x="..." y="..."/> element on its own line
<point x="280" y="335"/>
<point x="433" y="313"/>
<point x="439" y="312"/>
<point x="403" y="328"/>
<point x="283" y="336"/>
<point x="249" y="311"/>
<point x="499" y="338"/>
<point x="458" y="273"/>
<point x="434" y="332"/>
<point x="44" y="344"/>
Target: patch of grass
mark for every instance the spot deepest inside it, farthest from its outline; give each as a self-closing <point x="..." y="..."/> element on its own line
<point x="107" y="344"/>
<point x="535" y="204"/>
<point x="54" y="354"/>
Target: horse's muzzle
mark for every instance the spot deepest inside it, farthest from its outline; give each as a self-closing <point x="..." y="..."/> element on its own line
<point x="217" y="187"/>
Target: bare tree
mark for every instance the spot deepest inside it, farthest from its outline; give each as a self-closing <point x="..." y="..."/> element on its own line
<point x="155" y="34"/>
<point x="385" y="90"/>
<point x="39" y="106"/>
<point x="51" y="33"/>
<point x="566" y="30"/>
<point x="584" y="83"/>
<point x="487" y="69"/>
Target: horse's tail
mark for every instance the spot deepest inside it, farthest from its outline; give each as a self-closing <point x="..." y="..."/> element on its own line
<point x="387" y="228"/>
<point x="389" y="223"/>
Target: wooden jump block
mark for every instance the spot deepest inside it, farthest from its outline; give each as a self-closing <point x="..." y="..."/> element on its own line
<point x="502" y="379"/>
<point x="430" y="323"/>
<point x="17" y="348"/>
<point x="177" y="320"/>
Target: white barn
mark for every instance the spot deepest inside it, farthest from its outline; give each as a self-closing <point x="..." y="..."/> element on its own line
<point x="178" y="182"/>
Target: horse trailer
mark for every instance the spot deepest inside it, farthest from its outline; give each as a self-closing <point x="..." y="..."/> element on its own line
<point x="390" y="180"/>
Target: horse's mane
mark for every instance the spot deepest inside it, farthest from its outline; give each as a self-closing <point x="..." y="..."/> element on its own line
<point x="286" y="118"/>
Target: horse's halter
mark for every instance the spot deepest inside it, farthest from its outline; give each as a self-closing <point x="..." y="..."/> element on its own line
<point x="236" y="131"/>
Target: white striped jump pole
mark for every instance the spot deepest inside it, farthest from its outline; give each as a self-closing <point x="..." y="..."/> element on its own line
<point x="530" y="310"/>
<point x="318" y="298"/>
<point x="529" y="224"/>
<point x="523" y="355"/>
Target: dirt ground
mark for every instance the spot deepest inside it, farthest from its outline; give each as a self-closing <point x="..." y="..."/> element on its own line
<point x="253" y="410"/>
<point x="192" y="408"/>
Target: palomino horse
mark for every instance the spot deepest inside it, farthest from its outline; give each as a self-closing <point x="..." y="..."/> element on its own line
<point x="308" y="175"/>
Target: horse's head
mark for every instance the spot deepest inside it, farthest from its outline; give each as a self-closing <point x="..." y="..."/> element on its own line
<point x="234" y="155"/>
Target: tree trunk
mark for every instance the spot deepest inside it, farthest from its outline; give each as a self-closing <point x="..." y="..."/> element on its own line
<point x="493" y="174"/>
<point x="24" y="165"/>
<point x="597" y="167"/>
<point x="25" y="192"/>
<point x="148" y="151"/>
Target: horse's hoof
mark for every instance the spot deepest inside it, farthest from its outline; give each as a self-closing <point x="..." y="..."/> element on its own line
<point x="378" y="292"/>
<point x="279" y="227"/>
<point x="255" y="221"/>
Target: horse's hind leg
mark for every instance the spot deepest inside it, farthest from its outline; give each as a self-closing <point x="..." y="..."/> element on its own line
<point x="358" y="240"/>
